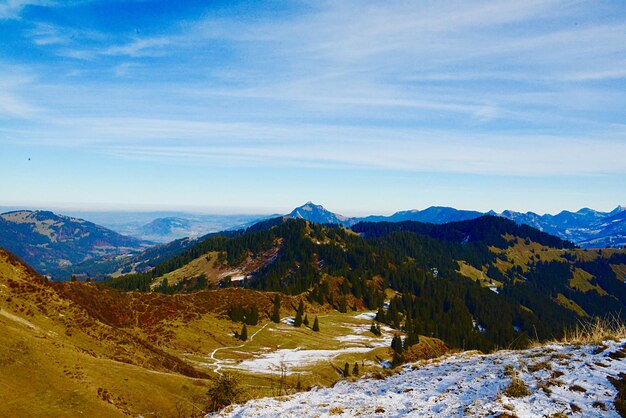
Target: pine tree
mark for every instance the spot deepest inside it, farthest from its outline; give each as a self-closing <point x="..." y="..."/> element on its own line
<point x="396" y="344"/>
<point x="252" y="317"/>
<point x="397" y="359"/>
<point x="380" y="315"/>
<point x="316" y="325"/>
<point x="244" y="333"/>
<point x="276" y="312"/>
<point x="306" y="320"/>
<point x="355" y="369"/>
<point x="346" y="370"/>
<point x="298" y="321"/>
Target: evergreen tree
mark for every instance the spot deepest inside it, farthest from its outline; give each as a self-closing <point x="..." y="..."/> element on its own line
<point x="276" y="312"/>
<point x="252" y="316"/>
<point x="355" y="369"/>
<point x="298" y="321"/>
<point x="306" y="320"/>
<point x="396" y="344"/>
<point x="346" y="370"/>
<point x="375" y="329"/>
<point x="316" y="325"/>
<point x="380" y="315"/>
<point x="244" y="333"/>
<point x="397" y="359"/>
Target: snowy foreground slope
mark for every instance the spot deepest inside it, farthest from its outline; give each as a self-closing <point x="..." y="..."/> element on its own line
<point x="561" y="379"/>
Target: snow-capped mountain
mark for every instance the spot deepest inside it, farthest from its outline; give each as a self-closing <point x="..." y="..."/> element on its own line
<point x="586" y="227"/>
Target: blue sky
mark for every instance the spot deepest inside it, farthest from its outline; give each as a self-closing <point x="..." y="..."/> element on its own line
<point x="365" y="107"/>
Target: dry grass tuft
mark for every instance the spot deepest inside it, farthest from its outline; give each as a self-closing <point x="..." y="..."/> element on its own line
<point x="541" y="365"/>
<point x="517" y="388"/>
<point x="596" y="331"/>
<point x="336" y="410"/>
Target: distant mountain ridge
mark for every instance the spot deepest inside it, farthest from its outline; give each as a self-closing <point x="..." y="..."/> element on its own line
<point x="586" y="227"/>
<point x="170" y="228"/>
<point x="48" y="241"/>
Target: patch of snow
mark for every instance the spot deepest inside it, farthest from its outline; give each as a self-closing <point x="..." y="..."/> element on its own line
<point x="479" y="327"/>
<point x="367" y="315"/>
<point x="293" y="359"/>
<point x="290" y="320"/>
<point x="364" y="339"/>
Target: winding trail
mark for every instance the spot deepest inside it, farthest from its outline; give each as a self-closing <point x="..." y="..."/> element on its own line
<point x="218" y="363"/>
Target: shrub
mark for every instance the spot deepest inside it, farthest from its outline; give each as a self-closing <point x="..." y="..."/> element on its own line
<point x="224" y="391"/>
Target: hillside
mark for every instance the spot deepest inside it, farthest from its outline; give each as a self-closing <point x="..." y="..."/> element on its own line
<point x="558" y="381"/>
<point x="72" y="348"/>
<point x="51" y="242"/>
<point x="449" y="279"/>
<point x="63" y="359"/>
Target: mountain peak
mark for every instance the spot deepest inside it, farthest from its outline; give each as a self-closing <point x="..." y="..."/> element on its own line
<point x="317" y="213"/>
<point x="617" y="210"/>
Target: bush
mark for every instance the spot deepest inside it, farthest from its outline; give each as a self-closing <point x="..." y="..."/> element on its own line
<point x="224" y="391"/>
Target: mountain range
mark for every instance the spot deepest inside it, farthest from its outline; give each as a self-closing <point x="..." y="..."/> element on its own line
<point x="587" y="227"/>
<point x="60" y="245"/>
<point x="166" y="226"/>
<point x="50" y="242"/>
<point x="156" y="342"/>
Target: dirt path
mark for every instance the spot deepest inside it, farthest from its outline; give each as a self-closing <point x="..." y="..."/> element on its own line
<point x="218" y="363"/>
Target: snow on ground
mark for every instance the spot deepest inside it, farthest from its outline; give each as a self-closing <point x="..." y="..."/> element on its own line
<point x="360" y="340"/>
<point x="367" y="315"/>
<point x="467" y="385"/>
<point x="289" y="320"/>
<point x="293" y="359"/>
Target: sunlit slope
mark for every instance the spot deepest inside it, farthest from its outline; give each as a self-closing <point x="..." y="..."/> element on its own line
<point x="58" y="360"/>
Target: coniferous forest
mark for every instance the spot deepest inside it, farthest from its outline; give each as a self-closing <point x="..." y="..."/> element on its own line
<point x="352" y="268"/>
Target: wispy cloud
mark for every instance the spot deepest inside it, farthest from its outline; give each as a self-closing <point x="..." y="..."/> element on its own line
<point x="11" y="9"/>
<point x="474" y="87"/>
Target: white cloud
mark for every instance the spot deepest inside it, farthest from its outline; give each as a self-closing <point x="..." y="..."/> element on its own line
<point x="482" y="87"/>
<point x="11" y="9"/>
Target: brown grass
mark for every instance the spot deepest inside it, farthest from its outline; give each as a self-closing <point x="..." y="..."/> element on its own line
<point x="620" y="399"/>
<point x="517" y="388"/>
<point x="596" y="331"/>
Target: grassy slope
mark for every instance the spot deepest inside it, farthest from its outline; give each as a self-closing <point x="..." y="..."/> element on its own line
<point x="77" y="348"/>
<point x="63" y="363"/>
<point x="477" y="275"/>
<point x="522" y="254"/>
